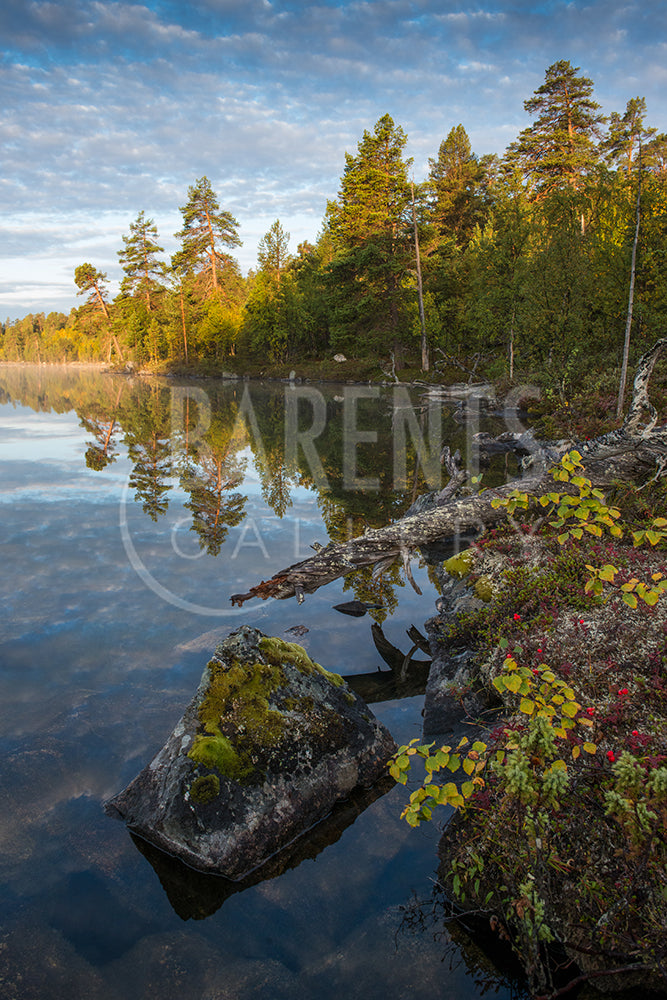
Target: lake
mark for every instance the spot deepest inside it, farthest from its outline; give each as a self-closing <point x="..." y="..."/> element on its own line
<point x="132" y="510"/>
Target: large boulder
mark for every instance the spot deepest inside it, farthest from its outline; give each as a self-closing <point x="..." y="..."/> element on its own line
<point x="269" y="744"/>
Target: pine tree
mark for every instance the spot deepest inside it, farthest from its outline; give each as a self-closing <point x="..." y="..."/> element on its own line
<point x="139" y="260"/>
<point x="456" y="183"/>
<point x="88" y="279"/>
<point x="272" y="252"/>
<point x="560" y="147"/>
<point x="206" y="231"/>
<point x="627" y="133"/>
<point x="371" y="237"/>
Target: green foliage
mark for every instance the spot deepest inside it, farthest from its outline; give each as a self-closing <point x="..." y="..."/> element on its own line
<point x="560" y="146"/>
<point x="142" y="269"/>
<point x="206" y="231"/>
<point x="370" y="236"/>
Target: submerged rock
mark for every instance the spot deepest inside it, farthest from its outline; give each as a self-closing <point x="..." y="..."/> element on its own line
<point x="269" y="744"/>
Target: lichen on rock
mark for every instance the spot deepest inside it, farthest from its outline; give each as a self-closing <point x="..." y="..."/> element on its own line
<point x="268" y="745"/>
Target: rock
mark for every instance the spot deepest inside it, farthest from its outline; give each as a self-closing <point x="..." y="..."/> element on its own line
<point x="339" y="358"/>
<point x="452" y="691"/>
<point x="269" y="744"/>
<point x="357" y="609"/>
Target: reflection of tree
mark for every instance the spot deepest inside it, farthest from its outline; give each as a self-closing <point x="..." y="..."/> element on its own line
<point x="149" y="447"/>
<point x="214" y="511"/>
<point x="100" y="453"/>
<point x="379" y="589"/>
<point x="277" y="483"/>
<point x="213" y="468"/>
<point x="267" y="441"/>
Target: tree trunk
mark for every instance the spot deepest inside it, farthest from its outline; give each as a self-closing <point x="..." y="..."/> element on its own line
<point x="631" y="295"/>
<point x="624" y="454"/>
<point x="185" y="335"/>
<point x="422" y="319"/>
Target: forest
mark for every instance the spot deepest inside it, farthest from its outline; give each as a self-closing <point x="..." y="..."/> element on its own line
<point x="522" y="262"/>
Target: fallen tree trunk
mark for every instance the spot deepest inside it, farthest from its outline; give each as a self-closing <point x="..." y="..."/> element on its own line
<point x="633" y="451"/>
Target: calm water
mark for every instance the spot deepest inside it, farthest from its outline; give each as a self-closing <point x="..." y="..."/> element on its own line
<point x="131" y="512"/>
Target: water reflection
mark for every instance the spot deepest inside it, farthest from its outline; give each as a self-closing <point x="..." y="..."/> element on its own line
<point x="196" y="895"/>
<point x="195" y="452"/>
<point x="96" y="667"/>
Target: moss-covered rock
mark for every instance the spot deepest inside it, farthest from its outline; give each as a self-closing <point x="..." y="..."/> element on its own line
<point x="268" y="745"/>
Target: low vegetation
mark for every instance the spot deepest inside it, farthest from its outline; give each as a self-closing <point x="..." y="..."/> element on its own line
<point x="561" y="807"/>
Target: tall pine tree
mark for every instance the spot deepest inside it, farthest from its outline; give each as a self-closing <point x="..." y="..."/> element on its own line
<point x="206" y="232"/>
<point x="560" y="147"/>
<point x="370" y="232"/>
<point x="139" y="260"/>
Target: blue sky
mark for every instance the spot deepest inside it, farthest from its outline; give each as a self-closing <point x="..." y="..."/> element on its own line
<point x="112" y="108"/>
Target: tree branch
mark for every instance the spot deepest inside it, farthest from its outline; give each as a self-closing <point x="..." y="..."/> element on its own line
<point x="626" y="454"/>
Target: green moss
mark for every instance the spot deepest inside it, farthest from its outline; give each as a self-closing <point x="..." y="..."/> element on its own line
<point x="459" y="565"/>
<point x="205" y="788"/>
<point x="240" y="729"/>
<point x="217" y="752"/>
<point x="278" y="651"/>
<point x="235" y="716"/>
<point x="483" y="589"/>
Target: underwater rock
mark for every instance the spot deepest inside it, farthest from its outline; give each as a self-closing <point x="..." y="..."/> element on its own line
<point x="269" y="744"/>
<point x="451" y="693"/>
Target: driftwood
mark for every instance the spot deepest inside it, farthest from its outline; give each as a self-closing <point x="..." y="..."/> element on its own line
<point x="636" y="450"/>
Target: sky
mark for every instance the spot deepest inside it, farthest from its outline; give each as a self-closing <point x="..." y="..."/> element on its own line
<point x="109" y="108"/>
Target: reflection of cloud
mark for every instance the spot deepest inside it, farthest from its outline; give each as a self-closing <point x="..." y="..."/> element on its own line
<point x="97" y="124"/>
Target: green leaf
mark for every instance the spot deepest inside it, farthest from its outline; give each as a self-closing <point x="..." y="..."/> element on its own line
<point x="397" y="775"/>
<point x="608" y="572"/>
<point x="527" y="706"/>
<point x="513" y="683"/>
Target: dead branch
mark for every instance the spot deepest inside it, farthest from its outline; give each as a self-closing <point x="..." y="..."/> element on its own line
<point x="627" y="454"/>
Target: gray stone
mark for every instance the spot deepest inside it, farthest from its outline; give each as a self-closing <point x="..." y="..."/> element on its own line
<point x="269" y="744"/>
<point x="451" y="690"/>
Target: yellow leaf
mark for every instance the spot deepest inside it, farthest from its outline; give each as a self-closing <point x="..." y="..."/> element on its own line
<point x="575" y="752"/>
<point x="590" y="747"/>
